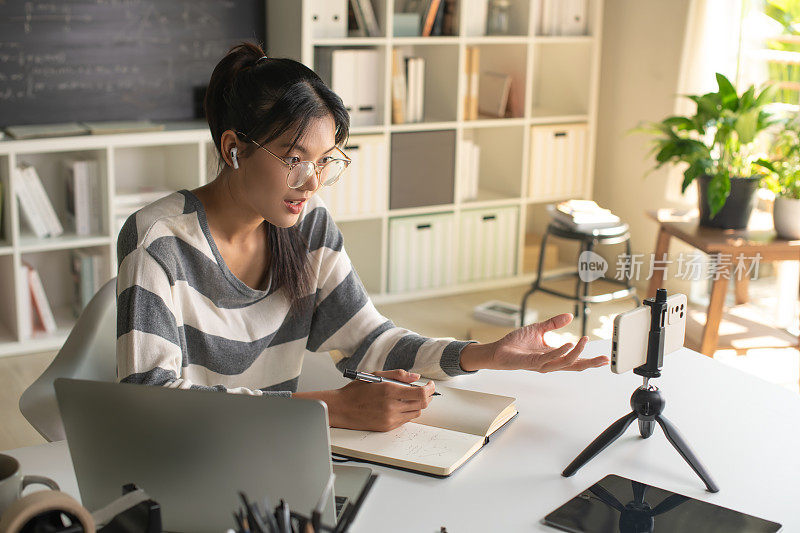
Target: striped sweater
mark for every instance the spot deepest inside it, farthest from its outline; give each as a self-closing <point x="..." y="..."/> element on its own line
<point x="185" y="320"/>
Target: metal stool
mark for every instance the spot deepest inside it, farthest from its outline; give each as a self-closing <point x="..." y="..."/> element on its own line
<point x="590" y="239"/>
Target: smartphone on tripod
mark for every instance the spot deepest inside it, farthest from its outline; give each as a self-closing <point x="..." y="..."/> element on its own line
<point x="631" y="330"/>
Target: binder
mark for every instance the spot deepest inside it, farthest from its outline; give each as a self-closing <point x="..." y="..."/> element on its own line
<point x="493" y="90"/>
<point x="573" y="20"/>
<point x="419" y="94"/>
<point x="327" y="18"/>
<point x="473" y="86"/>
<point x="475" y="23"/>
<point x="367" y="72"/>
<point x="343" y="79"/>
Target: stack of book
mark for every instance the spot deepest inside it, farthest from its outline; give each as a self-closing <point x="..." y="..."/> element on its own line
<point x="470" y="169"/>
<point x="408" y="88"/>
<point x="563" y="17"/>
<point x="89" y="272"/>
<point x="127" y="203"/>
<point x="583" y="215"/>
<point x="354" y="76"/>
<point x="37" y="315"/>
<point x="35" y="205"/>
<point x="83" y="196"/>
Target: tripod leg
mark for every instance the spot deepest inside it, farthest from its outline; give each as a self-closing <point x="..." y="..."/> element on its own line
<point x="676" y="439"/>
<point x="599" y="444"/>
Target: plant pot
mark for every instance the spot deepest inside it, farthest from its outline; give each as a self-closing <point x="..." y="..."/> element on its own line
<point x="786" y="216"/>
<point x="736" y="212"/>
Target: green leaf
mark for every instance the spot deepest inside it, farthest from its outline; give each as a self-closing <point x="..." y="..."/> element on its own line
<point x="746" y="126"/>
<point x="747" y="99"/>
<point x="767" y="96"/>
<point x="689" y="176"/>
<point x="766" y="164"/>
<point x="718" y="190"/>
<point x="727" y="93"/>
<point x="679" y="123"/>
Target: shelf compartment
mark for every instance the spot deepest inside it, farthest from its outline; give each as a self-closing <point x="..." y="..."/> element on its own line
<point x="500" y="165"/>
<point x="364" y="187"/>
<point x="508" y="59"/>
<point x="488" y="243"/>
<point x="60" y="284"/>
<point x="361" y="240"/>
<point x="439" y="100"/>
<point x="562" y="78"/>
<point x="51" y="169"/>
<point x="421" y="252"/>
<point x="356" y="75"/>
<point x="163" y="167"/>
<point x="422" y="169"/>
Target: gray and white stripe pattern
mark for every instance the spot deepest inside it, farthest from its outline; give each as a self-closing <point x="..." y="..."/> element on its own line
<point x="185" y="320"/>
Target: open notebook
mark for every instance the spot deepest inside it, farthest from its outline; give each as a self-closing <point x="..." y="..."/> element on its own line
<point x="451" y="430"/>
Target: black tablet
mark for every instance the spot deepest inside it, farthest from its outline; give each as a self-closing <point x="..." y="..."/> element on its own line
<point x="619" y="505"/>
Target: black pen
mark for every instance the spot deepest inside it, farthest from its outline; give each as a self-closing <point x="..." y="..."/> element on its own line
<point x="372" y="378"/>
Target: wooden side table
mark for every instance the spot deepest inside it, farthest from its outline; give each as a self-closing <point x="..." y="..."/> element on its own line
<point x="746" y="244"/>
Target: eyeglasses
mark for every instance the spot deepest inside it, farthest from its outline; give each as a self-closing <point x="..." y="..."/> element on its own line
<point x="300" y="171"/>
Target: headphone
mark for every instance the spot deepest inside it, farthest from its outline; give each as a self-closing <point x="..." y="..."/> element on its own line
<point x="235" y="151"/>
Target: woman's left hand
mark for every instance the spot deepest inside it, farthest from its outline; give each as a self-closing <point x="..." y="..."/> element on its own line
<point x="525" y="348"/>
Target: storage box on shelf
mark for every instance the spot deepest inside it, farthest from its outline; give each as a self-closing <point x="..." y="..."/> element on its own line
<point x="488" y="243"/>
<point x="363" y="241"/>
<point x="5" y="207"/>
<point x="8" y="310"/>
<point x="422" y="171"/>
<point x="421" y="252"/>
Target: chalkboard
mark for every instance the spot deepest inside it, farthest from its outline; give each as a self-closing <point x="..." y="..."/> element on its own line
<point x="94" y="60"/>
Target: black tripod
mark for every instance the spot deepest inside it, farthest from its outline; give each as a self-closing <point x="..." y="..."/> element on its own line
<point x="647" y="403"/>
<point x="637" y="516"/>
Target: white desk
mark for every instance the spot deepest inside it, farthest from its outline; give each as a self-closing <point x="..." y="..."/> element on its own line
<point x="745" y="430"/>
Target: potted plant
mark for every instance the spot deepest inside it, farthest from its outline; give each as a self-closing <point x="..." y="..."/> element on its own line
<point x="717" y="144"/>
<point x="784" y="179"/>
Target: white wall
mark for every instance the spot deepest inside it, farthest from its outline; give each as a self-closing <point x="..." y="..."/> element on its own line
<point x="641" y="53"/>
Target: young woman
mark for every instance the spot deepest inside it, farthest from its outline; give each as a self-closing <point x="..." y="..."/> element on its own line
<point x="226" y="286"/>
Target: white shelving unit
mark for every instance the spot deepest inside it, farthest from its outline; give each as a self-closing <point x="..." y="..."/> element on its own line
<point x="176" y="158"/>
<point x="555" y="81"/>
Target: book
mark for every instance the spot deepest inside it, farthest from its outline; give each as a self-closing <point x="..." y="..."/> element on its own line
<point x="583" y="215"/>
<point x="476" y="21"/>
<point x="43" y="203"/>
<point x="41" y="306"/>
<point x="25" y="305"/>
<point x="83" y="196"/>
<point x="365" y="18"/>
<point x="493" y="90"/>
<point x="398" y="88"/>
<point x="122" y="126"/>
<point x="28" y="205"/>
<point x="41" y="131"/>
<point x="429" y="17"/>
<point x="453" y="428"/>
<point x="473" y="73"/>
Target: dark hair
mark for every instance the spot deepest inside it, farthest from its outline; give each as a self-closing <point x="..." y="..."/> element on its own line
<point x="264" y="99"/>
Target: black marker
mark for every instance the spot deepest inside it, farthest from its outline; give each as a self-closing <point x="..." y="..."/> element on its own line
<point x="371" y="378"/>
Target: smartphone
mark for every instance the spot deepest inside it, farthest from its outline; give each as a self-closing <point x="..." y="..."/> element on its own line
<point x="632" y="328"/>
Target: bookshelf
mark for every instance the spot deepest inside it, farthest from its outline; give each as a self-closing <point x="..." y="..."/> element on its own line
<point x="555" y="82"/>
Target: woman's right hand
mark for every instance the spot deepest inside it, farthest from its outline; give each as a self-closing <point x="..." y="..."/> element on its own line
<point x="379" y="406"/>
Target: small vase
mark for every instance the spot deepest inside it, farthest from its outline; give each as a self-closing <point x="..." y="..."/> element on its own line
<point x="786" y="216"/>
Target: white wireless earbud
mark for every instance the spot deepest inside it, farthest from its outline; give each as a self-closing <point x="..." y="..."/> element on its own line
<point x="234" y="151"/>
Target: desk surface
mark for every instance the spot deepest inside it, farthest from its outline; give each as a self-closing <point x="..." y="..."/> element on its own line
<point x="756" y="238"/>
<point x="745" y="430"/>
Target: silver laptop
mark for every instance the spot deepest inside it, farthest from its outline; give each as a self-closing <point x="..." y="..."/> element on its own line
<point x="192" y="451"/>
